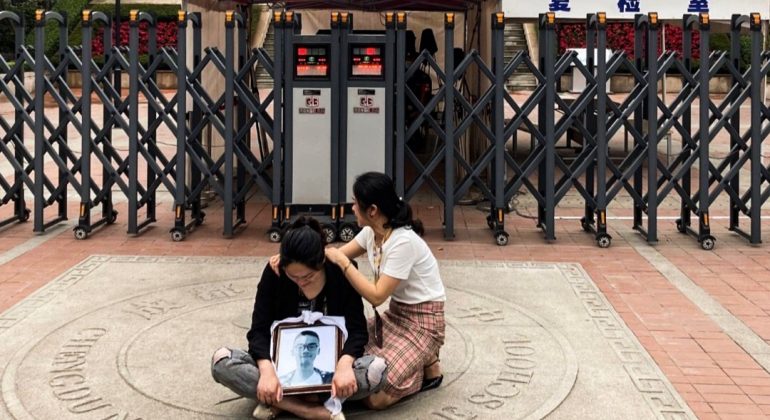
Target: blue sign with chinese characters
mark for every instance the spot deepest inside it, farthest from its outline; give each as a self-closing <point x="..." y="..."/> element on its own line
<point x="628" y="6"/>
<point x="698" y="6"/>
<point x="626" y="9"/>
<point x="559" y="6"/>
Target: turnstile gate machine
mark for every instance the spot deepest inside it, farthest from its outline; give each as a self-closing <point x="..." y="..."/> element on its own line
<point x="366" y="127"/>
<point x="311" y="130"/>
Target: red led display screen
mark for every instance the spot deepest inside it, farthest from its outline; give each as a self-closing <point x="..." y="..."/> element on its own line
<point x="366" y="61"/>
<point x="311" y="61"/>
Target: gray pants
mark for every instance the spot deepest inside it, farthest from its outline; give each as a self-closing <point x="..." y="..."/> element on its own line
<point x="236" y="369"/>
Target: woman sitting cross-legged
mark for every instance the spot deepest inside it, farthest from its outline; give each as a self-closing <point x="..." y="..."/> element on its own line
<point x="410" y="332"/>
<point x="306" y="282"/>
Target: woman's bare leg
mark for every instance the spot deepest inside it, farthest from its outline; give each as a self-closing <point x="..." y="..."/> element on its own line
<point x="432" y="370"/>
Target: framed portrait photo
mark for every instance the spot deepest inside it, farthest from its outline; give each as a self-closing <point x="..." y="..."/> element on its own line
<point x="305" y="356"/>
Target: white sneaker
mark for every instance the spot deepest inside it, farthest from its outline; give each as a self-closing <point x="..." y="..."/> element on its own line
<point x="263" y="412"/>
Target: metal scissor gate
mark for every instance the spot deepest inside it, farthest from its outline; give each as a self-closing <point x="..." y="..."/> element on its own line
<point x="425" y="129"/>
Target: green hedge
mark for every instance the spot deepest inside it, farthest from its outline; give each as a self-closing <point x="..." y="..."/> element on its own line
<point x="721" y="42"/>
<point x="71" y="9"/>
<point x="7" y="36"/>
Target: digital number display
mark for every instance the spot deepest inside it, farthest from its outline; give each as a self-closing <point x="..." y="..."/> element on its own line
<point x="366" y="61"/>
<point x="311" y="61"/>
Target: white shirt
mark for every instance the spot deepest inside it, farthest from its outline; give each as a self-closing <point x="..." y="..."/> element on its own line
<point x="406" y="257"/>
<point x="293" y="379"/>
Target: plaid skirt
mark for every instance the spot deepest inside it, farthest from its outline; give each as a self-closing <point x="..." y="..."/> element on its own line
<point x="412" y="336"/>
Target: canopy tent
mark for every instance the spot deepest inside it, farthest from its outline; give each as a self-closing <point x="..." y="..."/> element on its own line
<point x="375" y="5"/>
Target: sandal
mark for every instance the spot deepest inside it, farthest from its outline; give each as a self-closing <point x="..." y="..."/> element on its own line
<point x="431" y="383"/>
<point x="263" y="412"/>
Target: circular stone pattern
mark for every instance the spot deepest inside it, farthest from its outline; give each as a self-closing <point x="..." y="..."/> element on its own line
<point x="148" y="356"/>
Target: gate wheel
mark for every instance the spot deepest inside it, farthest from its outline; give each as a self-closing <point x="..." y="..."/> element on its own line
<point x="330" y="234"/>
<point x="80" y="233"/>
<point x="501" y="238"/>
<point x="177" y="235"/>
<point x="347" y="233"/>
<point x="25" y="215"/>
<point x="603" y="240"/>
<point x="274" y="235"/>
<point x="708" y="243"/>
<point x="112" y="218"/>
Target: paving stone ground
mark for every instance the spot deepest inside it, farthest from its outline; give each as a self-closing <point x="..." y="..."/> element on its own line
<point x="701" y="317"/>
<point x="510" y="352"/>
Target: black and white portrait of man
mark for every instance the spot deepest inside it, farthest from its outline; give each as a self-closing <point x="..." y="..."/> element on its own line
<point x="300" y="364"/>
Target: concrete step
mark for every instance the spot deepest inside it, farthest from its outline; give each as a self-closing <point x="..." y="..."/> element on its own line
<point x="515" y="41"/>
<point x="264" y="81"/>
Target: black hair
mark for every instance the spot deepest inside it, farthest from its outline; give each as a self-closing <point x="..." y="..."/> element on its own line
<point x="310" y="333"/>
<point x="376" y="188"/>
<point x="303" y="243"/>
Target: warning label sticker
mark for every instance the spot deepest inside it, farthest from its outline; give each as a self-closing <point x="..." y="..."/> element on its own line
<point x="312" y="110"/>
<point x="362" y="110"/>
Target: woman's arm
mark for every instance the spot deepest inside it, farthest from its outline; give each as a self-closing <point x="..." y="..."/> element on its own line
<point x="375" y="294"/>
<point x="352" y="249"/>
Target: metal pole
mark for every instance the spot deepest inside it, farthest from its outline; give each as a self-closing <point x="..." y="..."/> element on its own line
<point x="449" y="123"/>
<point x="704" y="229"/>
<point x="652" y="127"/>
<point x="39" y="120"/>
<point x="550" y="135"/>
<point x="755" y="24"/>
<point x="229" y="115"/>
<point x="400" y="100"/>
<point x="133" y="130"/>
<point x="181" y="125"/>
<point x="602" y="143"/>
<point x="588" y="215"/>
<point x="116" y="34"/>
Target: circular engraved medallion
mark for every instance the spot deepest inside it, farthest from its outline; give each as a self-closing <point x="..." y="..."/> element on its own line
<point x="148" y="356"/>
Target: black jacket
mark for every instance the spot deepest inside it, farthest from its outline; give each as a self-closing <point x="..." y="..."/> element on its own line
<point x="278" y="298"/>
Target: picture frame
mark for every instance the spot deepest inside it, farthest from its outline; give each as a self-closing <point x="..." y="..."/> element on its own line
<point x="305" y="356"/>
